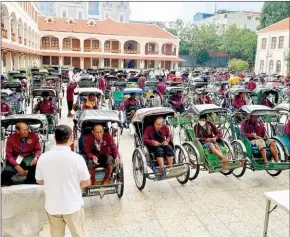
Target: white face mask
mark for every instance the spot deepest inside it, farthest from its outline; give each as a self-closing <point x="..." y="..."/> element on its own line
<point x="201" y="123"/>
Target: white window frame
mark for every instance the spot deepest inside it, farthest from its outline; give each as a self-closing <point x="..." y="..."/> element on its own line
<point x="123" y="18"/>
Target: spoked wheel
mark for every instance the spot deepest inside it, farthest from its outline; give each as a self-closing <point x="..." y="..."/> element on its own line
<point x="230" y="158"/>
<point x="120" y="188"/>
<point x="193" y="159"/>
<point x="181" y="157"/>
<point x="138" y="170"/>
<point x="238" y="155"/>
<point x="274" y="172"/>
<point x="182" y="136"/>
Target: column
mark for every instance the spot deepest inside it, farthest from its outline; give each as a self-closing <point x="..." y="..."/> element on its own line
<point x="160" y="49"/>
<point x="82" y="45"/>
<point x="142" y="49"/>
<point x="122" y="47"/>
<point x="177" y="50"/>
<point x="101" y="62"/>
<point x="82" y="63"/>
<point x="122" y="63"/>
<point x="60" y="61"/>
<point x="16" y="62"/>
<point x="60" y="41"/>
<point x="9" y="65"/>
<point x="141" y="64"/>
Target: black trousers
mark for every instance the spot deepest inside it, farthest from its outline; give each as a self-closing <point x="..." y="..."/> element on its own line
<point x="7" y="174"/>
<point x="70" y="105"/>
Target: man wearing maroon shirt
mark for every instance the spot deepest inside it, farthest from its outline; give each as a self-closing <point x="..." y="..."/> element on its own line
<point x="101" y="149"/>
<point x="161" y="88"/>
<point x="255" y="131"/>
<point x="157" y="138"/>
<point x="70" y="97"/>
<point x="102" y="85"/>
<point x="208" y="134"/>
<point x="5" y="108"/>
<point x="141" y="81"/>
<point x="22" y="152"/>
<point x="252" y="84"/>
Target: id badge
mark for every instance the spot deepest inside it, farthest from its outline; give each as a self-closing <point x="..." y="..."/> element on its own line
<point x="19" y="160"/>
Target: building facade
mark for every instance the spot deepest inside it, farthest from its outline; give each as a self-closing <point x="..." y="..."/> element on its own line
<point x="199" y="16"/>
<point x="273" y="48"/>
<point x="118" y="11"/>
<point x="20" y="46"/>
<point x="31" y="40"/>
<point x="243" y="20"/>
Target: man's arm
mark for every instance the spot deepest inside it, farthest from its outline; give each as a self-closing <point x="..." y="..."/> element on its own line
<point x="38" y="173"/>
<point x="146" y="137"/>
<point x="88" y="147"/>
<point x="9" y="151"/>
<point x="83" y="173"/>
<point x="37" y="147"/>
<point x="244" y="131"/>
<point x="216" y="131"/>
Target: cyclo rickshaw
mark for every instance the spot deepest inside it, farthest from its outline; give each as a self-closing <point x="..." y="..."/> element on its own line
<point x="200" y="156"/>
<point x="24" y="82"/>
<point x="270" y="118"/>
<point x="17" y="100"/>
<point x="54" y="82"/>
<point x="10" y="74"/>
<point x="259" y="93"/>
<point x="6" y="96"/>
<point x="169" y="92"/>
<point x="86" y="81"/>
<point x="53" y="98"/>
<point x="139" y="96"/>
<point x="280" y="129"/>
<point x="37" y="123"/>
<point x="236" y="90"/>
<point x="110" y="83"/>
<point x="65" y="74"/>
<point x="150" y="86"/>
<point x="132" y="82"/>
<point x="84" y="127"/>
<point x="116" y="97"/>
<point x="145" y="165"/>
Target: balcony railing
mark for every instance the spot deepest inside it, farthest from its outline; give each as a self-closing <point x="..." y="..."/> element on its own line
<point x="48" y="47"/>
<point x="4" y="33"/>
<point x="20" y="39"/>
<point x="131" y="51"/>
<point x="71" y="48"/>
<point x="13" y="36"/>
<point x="150" y="52"/>
<point x="89" y="49"/>
<point x="112" y="50"/>
<point x="169" y="53"/>
<point x="25" y="42"/>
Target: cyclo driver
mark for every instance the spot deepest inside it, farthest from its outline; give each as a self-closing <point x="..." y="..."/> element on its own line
<point x="101" y="150"/>
<point x="46" y="107"/>
<point x="22" y="152"/>
<point x="130" y="102"/>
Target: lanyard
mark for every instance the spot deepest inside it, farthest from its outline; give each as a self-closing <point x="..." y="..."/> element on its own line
<point x="22" y="146"/>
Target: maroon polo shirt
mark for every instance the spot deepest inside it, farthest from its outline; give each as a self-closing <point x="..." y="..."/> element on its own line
<point x="211" y="131"/>
<point x="107" y="146"/>
<point x="30" y="146"/>
<point x="70" y="92"/>
<point x="149" y="134"/>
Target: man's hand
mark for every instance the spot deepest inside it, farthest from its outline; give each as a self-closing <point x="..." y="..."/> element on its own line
<point x="213" y="139"/>
<point x="156" y="143"/>
<point x="34" y="161"/>
<point x="20" y="170"/>
<point x="117" y="161"/>
<point x="95" y="160"/>
<point x="165" y="143"/>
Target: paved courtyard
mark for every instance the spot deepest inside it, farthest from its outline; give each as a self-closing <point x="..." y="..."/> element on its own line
<point x="213" y="205"/>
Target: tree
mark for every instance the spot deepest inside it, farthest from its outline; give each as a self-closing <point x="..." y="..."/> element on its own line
<point x="273" y="12"/>
<point x="238" y="65"/>
<point x="239" y="43"/>
<point x="288" y="63"/>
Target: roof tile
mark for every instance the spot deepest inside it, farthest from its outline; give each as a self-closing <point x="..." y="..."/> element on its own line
<point x="281" y="25"/>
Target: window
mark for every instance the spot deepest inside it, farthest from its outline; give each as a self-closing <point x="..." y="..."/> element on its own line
<point x="54" y="60"/>
<point x="45" y="41"/>
<point x="257" y="18"/>
<point x="80" y="15"/>
<point x="122" y="3"/>
<point x="261" y="66"/>
<point x="278" y="67"/>
<point x="64" y="15"/>
<point x="281" y="42"/>
<point x="45" y="60"/>
<point x="121" y="18"/>
<point x="249" y="17"/>
<point x="66" y="42"/>
<point x="95" y="62"/>
<point x="273" y="43"/>
<point x="107" y="15"/>
<point x="271" y="66"/>
<point x="107" y="45"/>
<point x="264" y="42"/>
<point x="106" y="62"/>
<point x="225" y="16"/>
<point x="54" y="42"/>
<point x="66" y="61"/>
<point x="95" y="44"/>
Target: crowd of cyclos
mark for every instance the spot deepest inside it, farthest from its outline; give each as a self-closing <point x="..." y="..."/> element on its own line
<point x="181" y="122"/>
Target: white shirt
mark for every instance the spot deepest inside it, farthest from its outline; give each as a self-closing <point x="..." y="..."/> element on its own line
<point x="62" y="171"/>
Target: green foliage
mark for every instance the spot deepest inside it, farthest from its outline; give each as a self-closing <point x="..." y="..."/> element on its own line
<point x="239" y="43"/>
<point x="288" y="63"/>
<point x="238" y="65"/>
<point x="273" y="12"/>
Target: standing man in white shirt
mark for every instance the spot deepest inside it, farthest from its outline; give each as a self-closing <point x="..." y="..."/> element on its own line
<point x="63" y="174"/>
